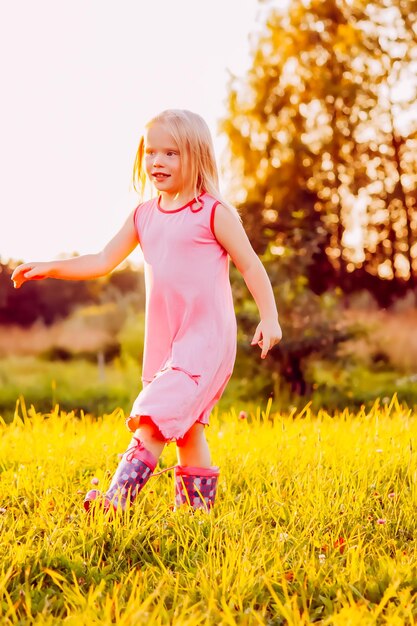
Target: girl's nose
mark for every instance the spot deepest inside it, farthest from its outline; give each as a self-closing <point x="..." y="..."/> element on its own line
<point x="157" y="161"/>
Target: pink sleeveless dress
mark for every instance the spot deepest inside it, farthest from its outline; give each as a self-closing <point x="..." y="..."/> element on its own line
<point x="190" y="331"/>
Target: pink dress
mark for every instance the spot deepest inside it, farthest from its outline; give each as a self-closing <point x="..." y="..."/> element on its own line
<point x="190" y="332"/>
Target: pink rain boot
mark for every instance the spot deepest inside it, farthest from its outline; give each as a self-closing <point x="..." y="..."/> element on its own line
<point x="195" y="486"/>
<point x="132" y="474"/>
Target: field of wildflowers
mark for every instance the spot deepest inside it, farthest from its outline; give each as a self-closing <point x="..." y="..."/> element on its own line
<point x="315" y="522"/>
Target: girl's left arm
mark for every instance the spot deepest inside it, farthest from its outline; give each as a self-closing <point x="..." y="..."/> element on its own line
<point x="230" y="233"/>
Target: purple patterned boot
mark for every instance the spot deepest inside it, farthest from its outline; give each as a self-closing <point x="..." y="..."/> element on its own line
<point x="195" y="486"/>
<point x="133" y="472"/>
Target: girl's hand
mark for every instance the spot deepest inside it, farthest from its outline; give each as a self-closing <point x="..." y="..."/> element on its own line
<point x="30" y="271"/>
<point x="268" y="333"/>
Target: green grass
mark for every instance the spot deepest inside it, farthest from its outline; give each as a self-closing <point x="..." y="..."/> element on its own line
<point x="76" y="384"/>
<point x="355" y="384"/>
<point x="314" y="523"/>
<point x="82" y="385"/>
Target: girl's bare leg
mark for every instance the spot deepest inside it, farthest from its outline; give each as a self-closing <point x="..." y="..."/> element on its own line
<point x="151" y="439"/>
<point x="195" y="478"/>
<point x="193" y="451"/>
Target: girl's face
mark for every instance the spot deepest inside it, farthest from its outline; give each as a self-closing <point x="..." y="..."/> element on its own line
<point x="163" y="160"/>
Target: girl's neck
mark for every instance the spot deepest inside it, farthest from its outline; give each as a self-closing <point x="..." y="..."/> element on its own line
<point x="172" y="202"/>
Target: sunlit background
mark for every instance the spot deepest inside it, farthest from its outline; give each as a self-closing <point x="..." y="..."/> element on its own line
<point x="312" y="105"/>
<point x="79" y="80"/>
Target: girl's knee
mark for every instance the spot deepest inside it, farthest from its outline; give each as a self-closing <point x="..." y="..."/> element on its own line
<point x="195" y="434"/>
<point x="151" y="431"/>
<point x="150" y="436"/>
<point x="146" y="426"/>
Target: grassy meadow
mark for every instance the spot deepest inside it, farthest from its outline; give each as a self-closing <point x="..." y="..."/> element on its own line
<point x="314" y="523"/>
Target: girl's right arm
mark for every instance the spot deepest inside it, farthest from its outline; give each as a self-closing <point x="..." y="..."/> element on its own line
<point x="85" y="266"/>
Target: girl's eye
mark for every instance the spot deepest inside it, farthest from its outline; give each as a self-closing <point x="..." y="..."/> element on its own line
<point x="171" y="153"/>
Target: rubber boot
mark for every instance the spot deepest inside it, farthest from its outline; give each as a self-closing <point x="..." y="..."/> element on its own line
<point x="196" y="486"/>
<point x="133" y="472"/>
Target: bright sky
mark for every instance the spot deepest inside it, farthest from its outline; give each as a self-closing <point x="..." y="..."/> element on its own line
<point x="79" y="80"/>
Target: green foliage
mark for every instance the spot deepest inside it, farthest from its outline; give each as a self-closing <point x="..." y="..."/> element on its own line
<point x="316" y="526"/>
<point x="356" y="385"/>
<point x="313" y="328"/>
<point x="78" y="384"/>
<point x="49" y="300"/>
<point x="131" y="336"/>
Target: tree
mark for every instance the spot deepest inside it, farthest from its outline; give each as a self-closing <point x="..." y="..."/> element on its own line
<point x="327" y="172"/>
<point x="291" y="125"/>
<point x="393" y="222"/>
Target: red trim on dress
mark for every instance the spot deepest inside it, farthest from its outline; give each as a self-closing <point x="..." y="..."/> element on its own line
<point x="213" y="211"/>
<point x="189" y="204"/>
<point x="135" y="219"/>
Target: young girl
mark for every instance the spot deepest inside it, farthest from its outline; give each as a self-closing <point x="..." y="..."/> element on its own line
<point x="187" y="233"/>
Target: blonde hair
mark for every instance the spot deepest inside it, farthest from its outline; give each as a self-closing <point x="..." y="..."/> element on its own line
<point x="195" y="144"/>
